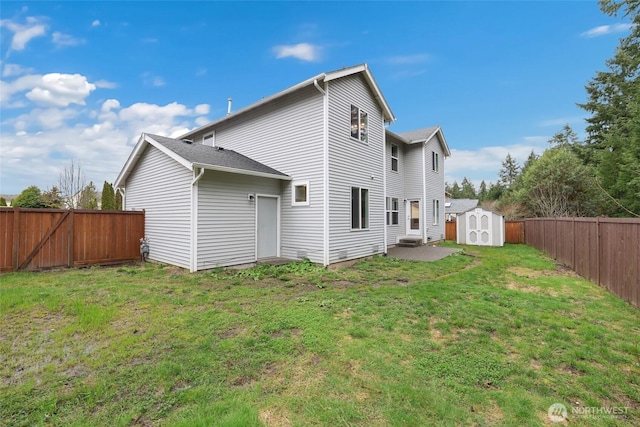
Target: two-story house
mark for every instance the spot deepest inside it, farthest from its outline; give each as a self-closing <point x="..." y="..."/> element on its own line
<point x="310" y="172"/>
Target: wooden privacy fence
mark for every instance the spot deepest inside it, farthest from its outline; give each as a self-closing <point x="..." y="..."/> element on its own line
<point x="33" y="239"/>
<point x="513" y="231"/>
<point x="603" y="250"/>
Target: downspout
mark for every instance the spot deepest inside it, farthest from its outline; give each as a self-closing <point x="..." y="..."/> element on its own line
<point x="194" y="219"/>
<point x="384" y="179"/>
<point x="325" y="178"/>
<point x="424" y="193"/>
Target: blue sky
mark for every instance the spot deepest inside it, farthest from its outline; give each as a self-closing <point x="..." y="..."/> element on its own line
<point x="82" y="80"/>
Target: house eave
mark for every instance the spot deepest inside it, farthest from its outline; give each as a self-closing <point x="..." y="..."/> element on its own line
<point x="240" y="171"/>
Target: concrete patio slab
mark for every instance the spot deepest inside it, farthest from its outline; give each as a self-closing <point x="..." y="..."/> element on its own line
<point x="421" y="253"/>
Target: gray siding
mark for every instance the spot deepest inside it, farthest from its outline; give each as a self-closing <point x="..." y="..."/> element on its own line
<point x="227" y="219"/>
<point x="435" y="189"/>
<point x="287" y="135"/>
<point x="395" y="188"/>
<point x="162" y="187"/>
<point x="354" y="164"/>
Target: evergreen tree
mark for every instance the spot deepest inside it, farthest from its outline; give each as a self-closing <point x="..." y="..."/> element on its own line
<point x="52" y="198"/>
<point x="614" y="104"/>
<point x="468" y="190"/>
<point x="118" y="201"/>
<point x="495" y="191"/>
<point x="31" y="197"/>
<point x="509" y="172"/>
<point x="482" y="193"/>
<point x="88" y="197"/>
<point x="455" y="191"/>
<point x="108" y="197"/>
<point x="3" y="202"/>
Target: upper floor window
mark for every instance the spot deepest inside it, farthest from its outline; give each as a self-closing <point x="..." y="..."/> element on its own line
<point x="208" y="140"/>
<point x="300" y="194"/>
<point x="394" y="157"/>
<point x="434" y="161"/>
<point x="359" y="208"/>
<point x="359" y="124"/>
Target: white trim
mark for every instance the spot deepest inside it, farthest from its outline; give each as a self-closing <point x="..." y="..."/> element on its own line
<point x="326" y="77"/>
<point x="273" y="196"/>
<point x="435" y="212"/>
<point x="359" y="137"/>
<point x="193" y="263"/>
<point x="397" y="157"/>
<point x="407" y="223"/>
<point x="384" y="186"/>
<point x="295" y="184"/>
<point x="213" y="138"/>
<point x="325" y="183"/>
<point x="424" y="191"/>
<point x="351" y="187"/>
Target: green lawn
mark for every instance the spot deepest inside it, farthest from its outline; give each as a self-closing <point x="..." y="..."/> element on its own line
<point x="490" y="337"/>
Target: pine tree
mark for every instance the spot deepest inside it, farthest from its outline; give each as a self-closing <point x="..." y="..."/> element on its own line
<point x="509" y="172"/>
<point x="482" y="193"/>
<point x="118" y="201"/>
<point x="468" y="190"/>
<point x="614" y="104"/>
<point x="88" y="197"/>
<point x="52" y="198"/>
<point x="108" y="197"/>
<point x="3" y="202"/>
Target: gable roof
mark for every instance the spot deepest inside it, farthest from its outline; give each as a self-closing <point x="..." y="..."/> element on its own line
<point x="422" y="135"/>
<point x="322" y="77"/>
<point x="194" y="156"/>
<point x="459" y="205"/>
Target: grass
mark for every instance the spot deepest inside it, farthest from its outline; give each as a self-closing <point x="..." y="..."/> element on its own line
<point x="490" y="337"/>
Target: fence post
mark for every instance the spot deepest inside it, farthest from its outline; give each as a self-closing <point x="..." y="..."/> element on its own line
<point x="15" y="250"/>
<point x="71" y="238"/>
<point x="598" y="250"/>
<point x="573" y="230"/>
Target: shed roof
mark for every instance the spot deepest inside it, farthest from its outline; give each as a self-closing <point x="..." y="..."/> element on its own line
<point x="459" y="205"/>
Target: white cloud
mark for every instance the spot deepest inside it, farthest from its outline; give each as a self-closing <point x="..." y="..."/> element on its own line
<point x="56" y="89"/>
<point x="485" y="162"/>
<point x="201" y="109"/>
<point x="104" y="84"/>
<point x="303" y="51"/>
<point x="37" y="146"/>
<point x="23" y="33"/>
<point x="603" y="30"/>
<point x="95" y="23"/>
<point x="63" y="40"/>
<point x="417" y="58"/>
<point x="11" y="70"/>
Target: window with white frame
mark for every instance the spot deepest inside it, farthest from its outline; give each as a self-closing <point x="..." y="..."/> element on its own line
<point x="300" y="193"/>
<point x="392" y="211"/>
<point x="359" y="124"/>
<point x="208" y="140"/>
<point x="436" y="212"/>
<point x="394" y="157"/>
<point x="434" y="161"/>
<point x="359" y="208"/>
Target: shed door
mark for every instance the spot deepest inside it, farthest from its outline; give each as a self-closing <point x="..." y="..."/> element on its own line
<point x="479" y="228"/>
<point x="267" y="227"/>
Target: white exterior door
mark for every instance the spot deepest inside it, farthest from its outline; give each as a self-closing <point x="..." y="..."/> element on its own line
<point x="414" y="217"/>
<point x="479" y="228"/>
<point x="267" y="232"/>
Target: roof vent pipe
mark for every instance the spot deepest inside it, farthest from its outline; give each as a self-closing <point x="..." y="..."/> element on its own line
<point x="230" y="100"/>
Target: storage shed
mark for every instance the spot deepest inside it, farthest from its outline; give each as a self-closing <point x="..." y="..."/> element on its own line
<point x="480" y="227"/>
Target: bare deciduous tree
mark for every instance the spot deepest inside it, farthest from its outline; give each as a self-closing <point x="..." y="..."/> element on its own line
<point x="70" y="183"/>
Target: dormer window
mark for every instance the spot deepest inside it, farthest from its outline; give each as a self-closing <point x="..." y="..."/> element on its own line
<point x="359" y="124"/>
<point x="208" y="140"/>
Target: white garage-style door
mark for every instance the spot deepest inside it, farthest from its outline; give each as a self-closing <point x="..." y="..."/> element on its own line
<point x="479" y="228"/>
